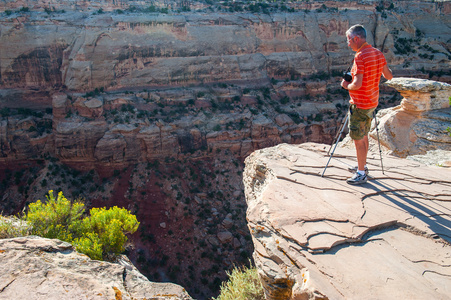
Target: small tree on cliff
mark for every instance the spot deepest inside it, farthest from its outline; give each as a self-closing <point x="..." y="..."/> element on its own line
<point x="99" y="235"/>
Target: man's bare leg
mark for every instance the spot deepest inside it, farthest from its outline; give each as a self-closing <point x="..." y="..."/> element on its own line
<point x="361" y="147"/>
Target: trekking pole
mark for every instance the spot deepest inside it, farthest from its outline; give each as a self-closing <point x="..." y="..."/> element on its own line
<point x="338" y="133"/>
<point x="378" y="141"/>
<point x="336" y="142"/>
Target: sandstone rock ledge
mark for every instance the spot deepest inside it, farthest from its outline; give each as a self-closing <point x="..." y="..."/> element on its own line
<point x="38" y="268"/>
<point x="320" y="238"/>
<point x="419" y="124"/>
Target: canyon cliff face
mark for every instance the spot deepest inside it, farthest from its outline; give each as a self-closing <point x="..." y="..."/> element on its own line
<point x="55" y="60"/>
<point x="81" y="51"/>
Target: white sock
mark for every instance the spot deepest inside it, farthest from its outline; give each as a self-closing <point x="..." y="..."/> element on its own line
<point x="361" y="172"/>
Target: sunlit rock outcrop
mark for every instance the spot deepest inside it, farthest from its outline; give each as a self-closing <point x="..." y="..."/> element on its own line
<point x="319" y="238"/>
<point x="420" y="123"/>
<point x="39" y="268"/>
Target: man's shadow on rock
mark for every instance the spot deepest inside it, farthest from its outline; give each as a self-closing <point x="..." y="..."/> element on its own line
<point x="415" y="203"/>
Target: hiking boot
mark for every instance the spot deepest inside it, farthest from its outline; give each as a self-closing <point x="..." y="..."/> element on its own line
<point x="354" y="170"/>
<point x="357" y="179"/>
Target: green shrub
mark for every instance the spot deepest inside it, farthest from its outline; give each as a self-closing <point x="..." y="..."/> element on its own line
<point x="285" y="100"/>
<point x="404" y="46"/>
<point x="56" y="219"/>
<point x="5" y="112"/>
<point x="106" y="230"/>
<point x="99" y="235"/>
<point x="243" y="284"/>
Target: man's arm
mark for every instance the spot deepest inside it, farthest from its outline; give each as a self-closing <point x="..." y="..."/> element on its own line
<point x="386" y="72"/>
<point x="355" y="84"/>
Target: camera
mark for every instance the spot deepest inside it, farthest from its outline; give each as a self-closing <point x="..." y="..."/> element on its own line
<point x="347" y="76"/>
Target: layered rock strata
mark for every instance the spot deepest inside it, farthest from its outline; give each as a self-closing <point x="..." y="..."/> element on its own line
<point x="82" y="51"/>
<point x="320" y="238"/>
<point x="420" y="123"/>
<point x="39" y="268"/>
<point x="115" y="130"/>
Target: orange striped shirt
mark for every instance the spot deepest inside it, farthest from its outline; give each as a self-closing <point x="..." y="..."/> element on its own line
<point x="368" y="61"/>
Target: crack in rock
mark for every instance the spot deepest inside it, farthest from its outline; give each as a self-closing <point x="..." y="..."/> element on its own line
<point x="6" y="285"/>
<point x="435" y="272"/>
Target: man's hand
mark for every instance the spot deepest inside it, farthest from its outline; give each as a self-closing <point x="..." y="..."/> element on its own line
<point x="344" y="84"/>
<point x="355" y="84"/>
<point x="387" y="73"/>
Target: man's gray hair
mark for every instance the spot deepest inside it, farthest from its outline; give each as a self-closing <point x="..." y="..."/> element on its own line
<point x="357" y="30"/>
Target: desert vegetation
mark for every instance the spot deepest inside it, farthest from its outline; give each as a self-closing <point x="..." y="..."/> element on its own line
<point x="101" y="234"/>
<point x="243" y="284"/>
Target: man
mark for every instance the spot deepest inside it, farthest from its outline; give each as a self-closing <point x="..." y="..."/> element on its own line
<point x="369" y="64"/>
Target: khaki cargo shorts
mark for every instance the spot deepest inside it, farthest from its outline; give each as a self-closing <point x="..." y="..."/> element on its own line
<point x="360" y="122"/>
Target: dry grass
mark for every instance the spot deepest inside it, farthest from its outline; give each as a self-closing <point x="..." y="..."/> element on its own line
<point x="243" y="284"/>
<point x="11" y="227"/>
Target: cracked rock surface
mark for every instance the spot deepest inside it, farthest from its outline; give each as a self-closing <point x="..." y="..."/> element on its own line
<point x="38" y="268"/>
<point x="320" y="238"/>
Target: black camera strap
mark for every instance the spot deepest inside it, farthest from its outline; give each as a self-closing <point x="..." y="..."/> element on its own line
<point x="350" y="66"/>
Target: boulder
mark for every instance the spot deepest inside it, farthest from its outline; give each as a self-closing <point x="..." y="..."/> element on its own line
<point x="227" y="223"/>
<point x="419" y="124"/>
<point x="39" y="268"/>
<point x="225" y="237"/>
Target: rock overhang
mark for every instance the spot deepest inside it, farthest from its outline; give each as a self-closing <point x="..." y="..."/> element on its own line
<point x="308" y="230"/>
